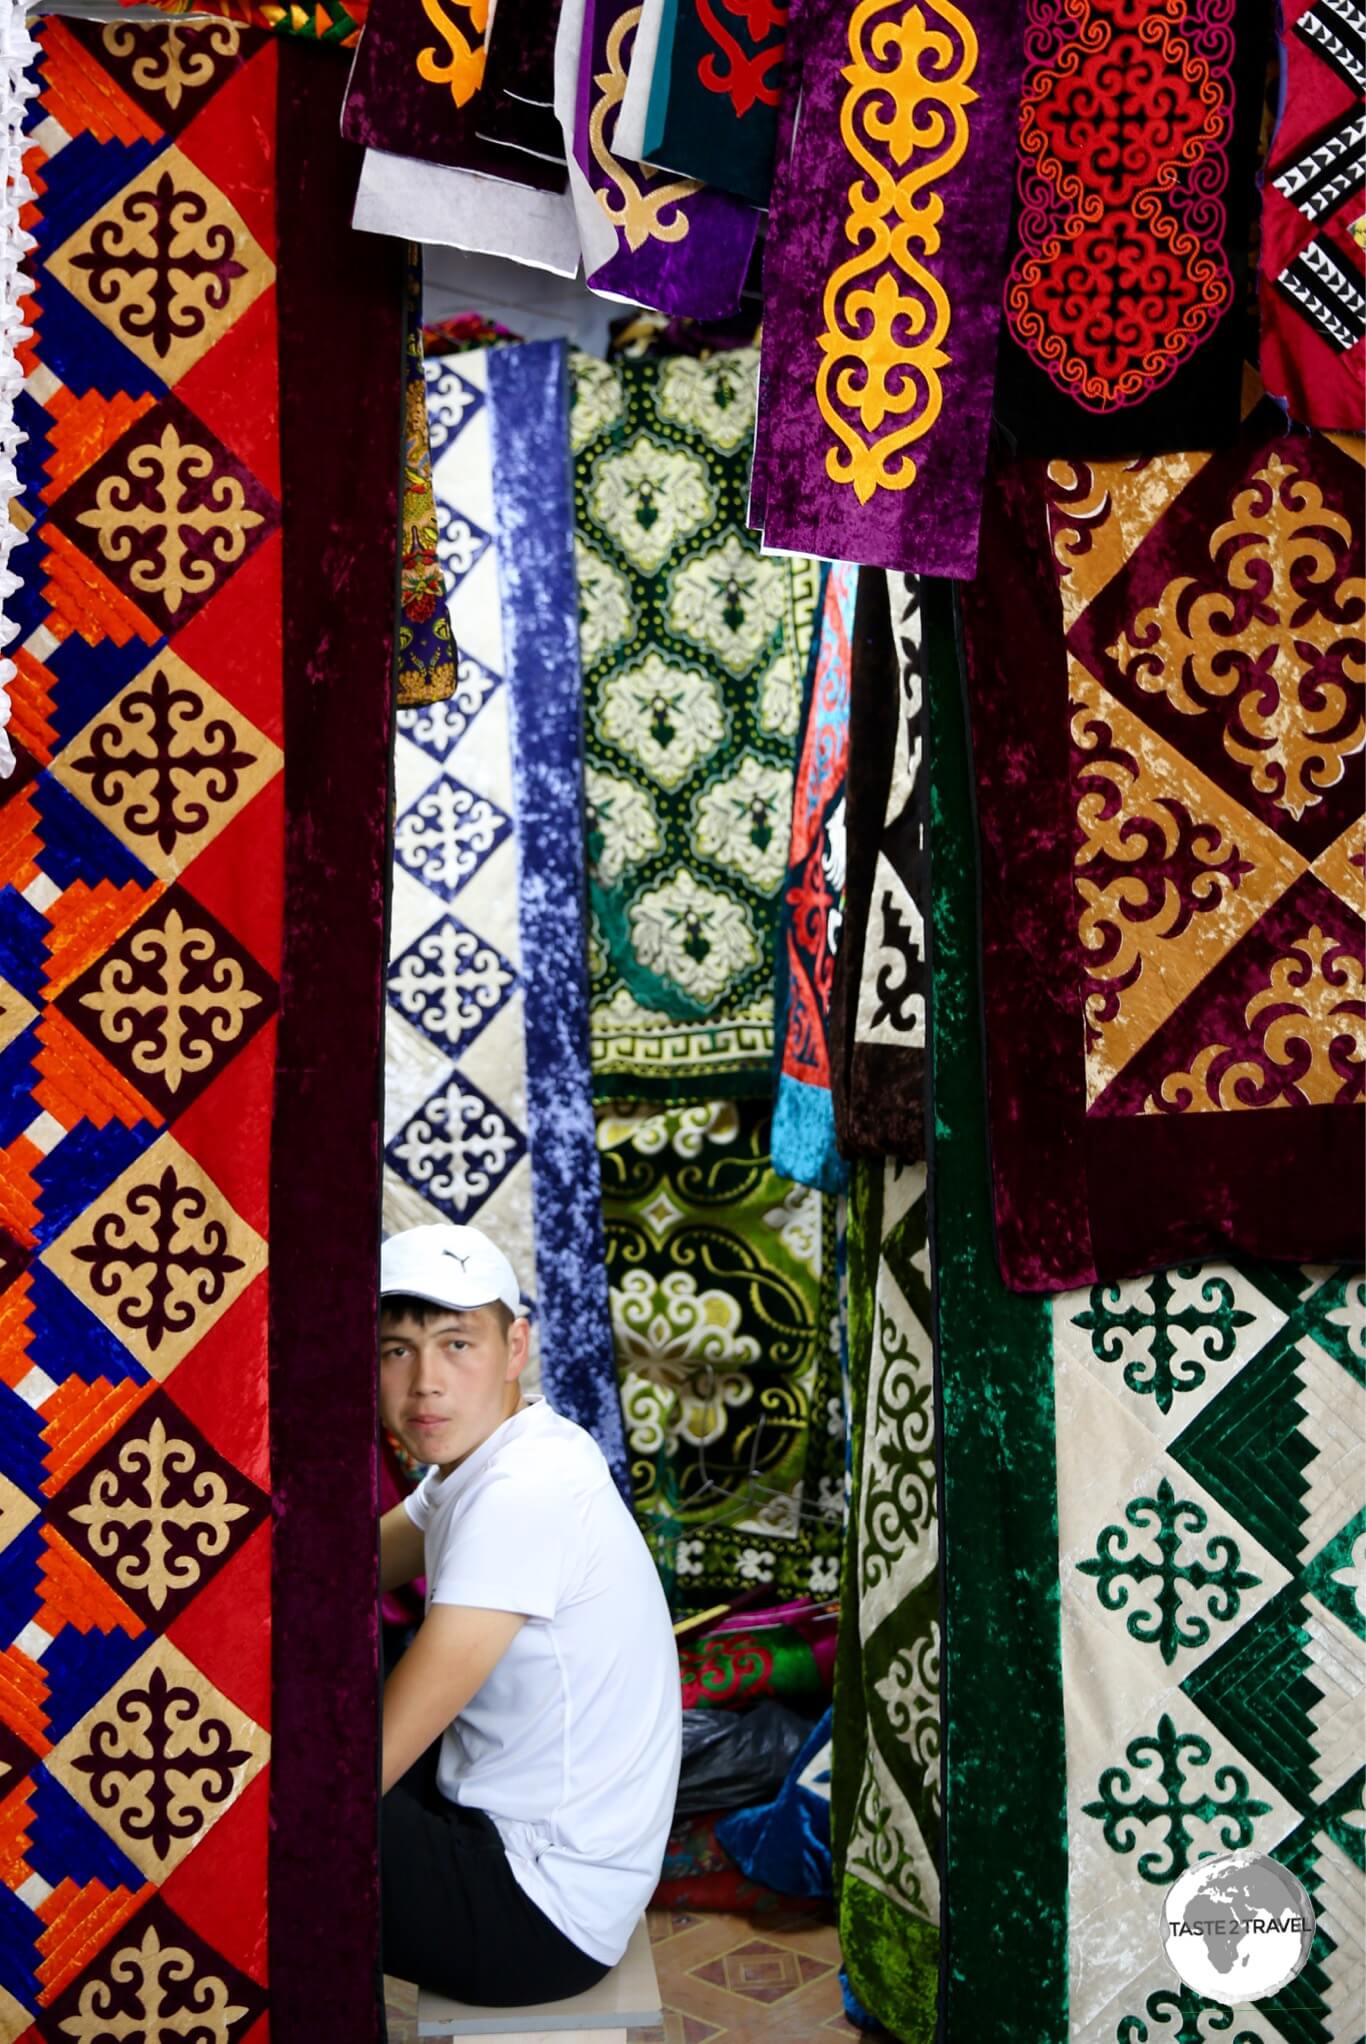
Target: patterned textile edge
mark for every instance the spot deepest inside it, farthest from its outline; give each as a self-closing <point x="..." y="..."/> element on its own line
<point x="1005" y="1943"/>
<point x="426" y="646"/>
<point x="1311" y="288"/>
<point x="882" y="282"/>
<point x="17" y="87"/>
<point x="881" y="992"/>
<point x="1123" y="326"/>
<point x="1173" y="1084"/>
<point x="885" y="1790"/>
<point x="812" y="905"/>
<point x="326" y="21"/>
<point x="528" y="388"/>
<point x="721" y="110"/>
<point x="341" y="486"/>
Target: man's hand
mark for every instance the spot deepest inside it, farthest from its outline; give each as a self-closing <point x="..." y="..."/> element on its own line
<point x="401" y="1555"/>
<point x="456" y="1650"/>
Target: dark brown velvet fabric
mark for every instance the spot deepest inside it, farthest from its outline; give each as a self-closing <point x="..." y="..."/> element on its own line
<point x="341" y="374"/>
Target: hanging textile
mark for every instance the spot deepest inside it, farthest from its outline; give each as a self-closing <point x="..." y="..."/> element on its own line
<point x="17" y="54"/>
<point x="885" y="1797"/>
<point x="518" y="103"/>
<point x="191" y="944"/>
<point x="716" y="116"/>
<point x="488" y="1108"/>
<point x="1124" y="297"/>
<point x="694" y="651"/>
<point x="882" y="282"/>
<point x="1313" y="273"/>
<point x="1151" y="1493"/>
<point x="415" y="91"/>
<point x="426" y="649"/>
<point x="529" y="392"/>
<point x="880" y="994"/>
<point x="724" y="1308"/>
<point x="648" y="237"/>
<point x="813" y="907"/>
<point x="1005" y="1768"/>
<point x="1173" y="894"/>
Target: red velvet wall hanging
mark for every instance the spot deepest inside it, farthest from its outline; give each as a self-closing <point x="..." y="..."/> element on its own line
<point x="190" y="945"/>
<point x="1167" y="722"/>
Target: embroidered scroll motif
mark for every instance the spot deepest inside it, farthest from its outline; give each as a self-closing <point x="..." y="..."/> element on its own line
<point x="462" y="68"/>
<point x="642" y="205"/>
<point x="886" y="316"/>
<point x="750" y="75"/>
<point x="1124" y="124"/>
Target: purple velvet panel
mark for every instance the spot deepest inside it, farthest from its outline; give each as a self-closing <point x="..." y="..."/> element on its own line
<point x="391" y="104"/>
<point x="700" y="271"/>
<point x="1167" y="744"/>
<point x="340" y="462"/>
<point x="855" y="386"/>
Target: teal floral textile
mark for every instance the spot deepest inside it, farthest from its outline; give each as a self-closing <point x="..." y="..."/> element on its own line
<point x="694" y="649"/>
<point x="885" y="1788"/>
<point x="725" y="1315"/>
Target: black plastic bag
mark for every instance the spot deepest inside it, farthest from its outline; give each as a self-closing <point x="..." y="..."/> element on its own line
<point x="734" y="1758"/>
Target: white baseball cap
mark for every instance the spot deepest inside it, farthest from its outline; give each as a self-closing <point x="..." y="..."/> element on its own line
<point x="457" y="1267"/>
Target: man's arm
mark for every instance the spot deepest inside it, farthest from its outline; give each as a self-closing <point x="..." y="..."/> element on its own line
<point x="455" y="1651"/>
<point x="401" y="1554"/>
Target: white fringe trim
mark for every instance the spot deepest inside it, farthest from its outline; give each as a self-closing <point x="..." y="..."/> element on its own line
<point x="18" y="84"/>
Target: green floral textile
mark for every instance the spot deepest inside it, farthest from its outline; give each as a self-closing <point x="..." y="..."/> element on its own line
<point x="724" y="1308"/>
<point x="885" y="1792"/>
<point x="694" y="649"/>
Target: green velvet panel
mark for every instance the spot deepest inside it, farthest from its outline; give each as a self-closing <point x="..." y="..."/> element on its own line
<point x="1004" y="1858"/>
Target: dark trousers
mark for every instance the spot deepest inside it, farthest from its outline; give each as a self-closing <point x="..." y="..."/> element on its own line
<point x="454" y="1919"/>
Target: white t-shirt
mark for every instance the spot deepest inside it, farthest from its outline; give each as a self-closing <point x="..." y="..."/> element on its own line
<point x="572" y="1746"/>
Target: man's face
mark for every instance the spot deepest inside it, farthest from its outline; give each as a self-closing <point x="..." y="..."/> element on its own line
<point x="445" y="1384"/>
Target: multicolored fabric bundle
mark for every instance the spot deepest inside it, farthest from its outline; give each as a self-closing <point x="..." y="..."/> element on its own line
<point x="1168" y="718"/>
<point x="488" y="1104"/>
<point x="190" y="942"/>
<point x="788" y="1652"/>
<point x="1151" y="1495"/>
<point x="694" y="650"/>
<point x="723" y="1290"/>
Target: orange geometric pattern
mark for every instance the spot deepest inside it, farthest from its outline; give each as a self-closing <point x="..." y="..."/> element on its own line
<point x="122" y="936"/>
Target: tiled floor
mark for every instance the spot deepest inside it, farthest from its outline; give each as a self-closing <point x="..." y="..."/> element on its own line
<point x="722" y="1981"/>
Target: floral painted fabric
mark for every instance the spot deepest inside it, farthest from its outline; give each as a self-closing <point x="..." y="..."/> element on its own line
<point x="694" y="649"/>
<point x="725" y="1314"/>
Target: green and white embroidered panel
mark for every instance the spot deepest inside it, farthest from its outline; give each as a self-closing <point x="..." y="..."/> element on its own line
<point x="1211" y="1435"/>
<point x="725" y="1315"/>
<point x="694" y="649"/>
<point x="885" y="1804"/>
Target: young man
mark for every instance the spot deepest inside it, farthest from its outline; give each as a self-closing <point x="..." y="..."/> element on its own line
<point x="532" y="1730"/>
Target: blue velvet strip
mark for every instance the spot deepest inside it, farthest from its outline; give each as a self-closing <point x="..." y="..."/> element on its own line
<point x="528" y="390"/>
